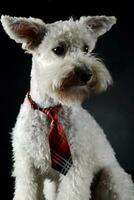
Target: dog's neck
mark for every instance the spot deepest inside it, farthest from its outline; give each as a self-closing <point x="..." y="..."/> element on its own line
<point x="43" y="100"/>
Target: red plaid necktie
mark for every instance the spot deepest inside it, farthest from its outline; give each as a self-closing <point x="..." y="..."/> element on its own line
<point x="61" y="159"/>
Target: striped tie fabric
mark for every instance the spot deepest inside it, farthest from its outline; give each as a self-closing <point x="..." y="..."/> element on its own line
<point x="61" y="159"/>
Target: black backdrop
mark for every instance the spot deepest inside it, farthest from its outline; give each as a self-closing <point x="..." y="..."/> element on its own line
<point x="114" y="109"/>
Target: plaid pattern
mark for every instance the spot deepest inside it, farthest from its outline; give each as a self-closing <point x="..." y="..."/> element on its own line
<point x="61" y="159"/>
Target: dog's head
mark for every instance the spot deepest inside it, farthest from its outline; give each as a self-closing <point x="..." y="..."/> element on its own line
<point x="63" y="64"/>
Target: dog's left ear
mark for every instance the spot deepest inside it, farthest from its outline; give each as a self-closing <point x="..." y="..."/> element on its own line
<point x="99" y="24"/>
<point x="28" y="31"/>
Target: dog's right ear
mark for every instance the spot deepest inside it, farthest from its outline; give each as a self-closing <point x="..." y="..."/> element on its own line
<point x="28" y="31"/>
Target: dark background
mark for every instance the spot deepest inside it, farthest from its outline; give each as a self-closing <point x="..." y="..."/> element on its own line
<point x="114" y="109"/>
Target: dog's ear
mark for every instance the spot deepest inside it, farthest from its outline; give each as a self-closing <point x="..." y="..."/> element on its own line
<point x="99" y="24"/>
<point x="28" y="31"/>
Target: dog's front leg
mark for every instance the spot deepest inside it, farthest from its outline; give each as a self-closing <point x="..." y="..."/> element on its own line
<point x="75" y="185"/>
<point x="114" y="184"/>
<point x="28" y="183"/>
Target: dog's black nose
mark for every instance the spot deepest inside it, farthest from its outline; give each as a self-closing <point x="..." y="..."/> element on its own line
<point x="83" y="74"/>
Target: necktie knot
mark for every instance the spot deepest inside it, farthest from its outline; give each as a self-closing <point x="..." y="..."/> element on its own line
<point x="52" y="112"/>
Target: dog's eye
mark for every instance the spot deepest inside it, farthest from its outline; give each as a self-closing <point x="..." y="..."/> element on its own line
<point x="60" y="50"/>
<point x="85" y="48"/>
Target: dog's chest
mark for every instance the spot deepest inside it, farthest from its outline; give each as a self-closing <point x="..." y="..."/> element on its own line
<point x="40" y="125"/>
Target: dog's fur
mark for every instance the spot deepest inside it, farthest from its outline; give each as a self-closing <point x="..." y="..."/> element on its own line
<point x="53" y="80"/>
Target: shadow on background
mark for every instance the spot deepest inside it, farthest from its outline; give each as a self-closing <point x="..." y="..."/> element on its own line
<point x="114" y="109"/>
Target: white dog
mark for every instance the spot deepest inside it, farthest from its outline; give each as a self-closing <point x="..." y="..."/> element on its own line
<point x="64" y="73"/>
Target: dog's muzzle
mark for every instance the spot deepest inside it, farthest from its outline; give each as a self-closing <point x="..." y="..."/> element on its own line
<point x="78" y="77"/>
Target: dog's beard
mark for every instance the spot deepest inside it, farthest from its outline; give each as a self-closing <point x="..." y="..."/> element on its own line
<point x="74" y="91"/>
<point x="70" y="91"/>
<point x="71" y="94"/>
<point x="75" y="94"/>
